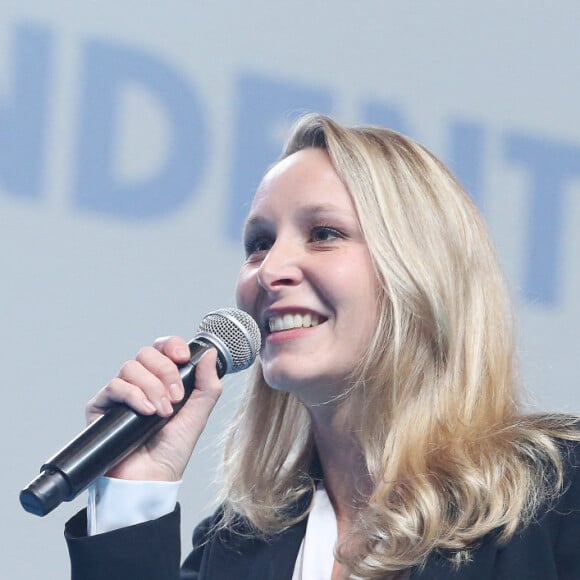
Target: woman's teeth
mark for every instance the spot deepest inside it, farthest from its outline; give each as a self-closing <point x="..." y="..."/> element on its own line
<point x="288" y="321"/>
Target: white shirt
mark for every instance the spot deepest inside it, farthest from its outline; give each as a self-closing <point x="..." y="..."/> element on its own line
<point x="315" y="558"/>
<point x="118" y="503"/>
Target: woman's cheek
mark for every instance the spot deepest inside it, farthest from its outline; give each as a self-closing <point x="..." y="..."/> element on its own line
<point x="244" y="292"/>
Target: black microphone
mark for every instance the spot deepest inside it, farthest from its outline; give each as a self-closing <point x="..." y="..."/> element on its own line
<point x="236" y="337"/>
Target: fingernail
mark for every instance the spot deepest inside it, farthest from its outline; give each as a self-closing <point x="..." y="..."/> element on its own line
<point x="183" y="352"/>
<point x="176" y="391"/>
<point x="166" y="406"/>
<point x="149" y="406"/>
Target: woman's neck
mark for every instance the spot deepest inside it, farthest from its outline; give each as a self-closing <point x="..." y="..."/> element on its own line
<point x="346" y="477"/>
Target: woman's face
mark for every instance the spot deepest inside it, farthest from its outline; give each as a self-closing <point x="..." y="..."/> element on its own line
<point x="308" y="279"/>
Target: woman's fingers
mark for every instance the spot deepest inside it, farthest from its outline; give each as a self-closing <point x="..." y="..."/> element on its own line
<point x="119" y="391"/>
<point x="158" y="375"/>
<point x="173" y="347"/>
<point x="150" y="383"/>
<point x="206" y="378"/>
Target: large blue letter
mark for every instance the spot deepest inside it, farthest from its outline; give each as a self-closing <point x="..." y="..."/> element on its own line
<point x="385" y="116"/>
<point x="266" y="108"/>
<point x="108" y="70"/>
<point x="23" y="119"/>
<point x="550" y="166"/>
<point x="466" y="157"/>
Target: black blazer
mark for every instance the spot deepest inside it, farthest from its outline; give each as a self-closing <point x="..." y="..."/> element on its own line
<point x="547" y="549"/>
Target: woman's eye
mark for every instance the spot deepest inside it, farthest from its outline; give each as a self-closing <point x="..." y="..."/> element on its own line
<point x="325" y="234"/>
<point x="257" y="245"/>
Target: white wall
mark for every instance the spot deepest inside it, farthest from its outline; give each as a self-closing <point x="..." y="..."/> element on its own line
<point x="132" y="135"/>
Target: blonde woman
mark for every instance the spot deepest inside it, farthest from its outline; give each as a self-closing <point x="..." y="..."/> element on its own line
<point x="382" y="435"/>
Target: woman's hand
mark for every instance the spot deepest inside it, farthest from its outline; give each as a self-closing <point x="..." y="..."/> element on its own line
<point x="149" y="384"/>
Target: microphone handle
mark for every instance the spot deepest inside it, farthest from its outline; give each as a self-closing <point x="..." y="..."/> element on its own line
<point x="104" y="443"/>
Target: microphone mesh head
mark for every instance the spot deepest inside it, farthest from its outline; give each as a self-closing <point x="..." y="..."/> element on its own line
<point x="238" y="331"/>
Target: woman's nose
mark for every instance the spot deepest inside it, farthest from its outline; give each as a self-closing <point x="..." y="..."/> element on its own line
<point x="281" y="267"/>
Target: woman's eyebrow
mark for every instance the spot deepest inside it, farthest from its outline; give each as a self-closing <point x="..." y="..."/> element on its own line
<point x="255" y="222"/>
<point x="305" y="213"/>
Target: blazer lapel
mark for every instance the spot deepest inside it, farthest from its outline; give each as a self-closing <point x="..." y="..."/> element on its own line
<point x="230" y="556"/>
<point x="276" y="558"/>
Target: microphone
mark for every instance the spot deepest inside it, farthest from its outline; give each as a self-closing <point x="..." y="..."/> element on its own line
<point x="113" y="436"/>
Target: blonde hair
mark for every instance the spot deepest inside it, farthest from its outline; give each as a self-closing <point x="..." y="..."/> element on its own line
<point x="449" y="453"/>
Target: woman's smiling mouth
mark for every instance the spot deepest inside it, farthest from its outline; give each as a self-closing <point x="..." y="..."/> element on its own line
<point x="289" y="320"/>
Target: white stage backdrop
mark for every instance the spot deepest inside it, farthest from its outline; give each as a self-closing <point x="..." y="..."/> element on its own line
<point x="132" y="135"/>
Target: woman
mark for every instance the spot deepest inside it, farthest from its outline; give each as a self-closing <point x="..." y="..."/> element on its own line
<point x="382" y="436"/>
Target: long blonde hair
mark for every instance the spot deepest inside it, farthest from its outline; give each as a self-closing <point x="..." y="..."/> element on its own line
<point x="450" y="455"/>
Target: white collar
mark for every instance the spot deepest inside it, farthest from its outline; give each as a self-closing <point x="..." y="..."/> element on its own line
<point x="315" y="559"/>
